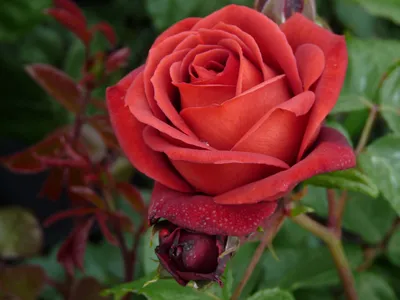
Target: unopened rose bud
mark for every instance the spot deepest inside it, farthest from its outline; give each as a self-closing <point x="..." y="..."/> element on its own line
<point x="190" y="255"/>
<point x="281" y="10"/>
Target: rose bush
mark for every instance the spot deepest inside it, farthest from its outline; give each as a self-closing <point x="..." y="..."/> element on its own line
<point x="227" y="113"/>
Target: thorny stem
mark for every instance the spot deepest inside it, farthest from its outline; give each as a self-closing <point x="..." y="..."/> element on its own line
<point x="270" y="233"/>
<point x="335" y="247"/>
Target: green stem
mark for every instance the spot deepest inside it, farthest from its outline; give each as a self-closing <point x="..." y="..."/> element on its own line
<point x="270" y="232"/>
<point x="335" y="247"/>
<point x="367" y="130"/>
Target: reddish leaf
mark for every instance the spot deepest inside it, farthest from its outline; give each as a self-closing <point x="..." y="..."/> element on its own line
<point x="70" y="7"/>
<point x="26" y="161"/>
<point x="21" y="282"/>
<point x="107" y="31"/>
<point x="76" y="212"/>
<point x="118" y="59"/>
<point x="122" y="220"/>
<point x="132" y="196"/>
<point x="72" y="251"/>
<point x="87" y="288"/>
<point x="57" y="84"/>
<point x="105" y="130"/>
<point x="53" y="185"/>
<point x="71" y="22"/>
<point x="82" y="193"/>
<point x="102" y="221"/>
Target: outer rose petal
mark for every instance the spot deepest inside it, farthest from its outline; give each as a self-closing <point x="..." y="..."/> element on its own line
<point x="215" y="172"/>
<point x="270" y="39"/>
<point x="200" y="213"/>
<point x="311" y="63"/>
<point x="184" y="25"/>
<point x="299" y="30"/>
<point x="129" y="134"/>
<point x="331" y="153"/>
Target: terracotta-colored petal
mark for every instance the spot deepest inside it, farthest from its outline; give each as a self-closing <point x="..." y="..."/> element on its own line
<point x="201" y="214"/>
<point x="158" y="143"/>
<point x="331" y="153"/>
<point x="135" y="99"/>
<point x="270" y="39"/>
<point x="311" y="63"/>
<point x="156" y="54"/>
<point x="193" y="95"/>
<point x="215" y="172"/>
<point x="280" y="131"/>
<point x="299" y="30"/>
<point x="222" y="126"/>
<point x="184" y="75"/>
<point x="184" y="25"/>
<point x="248" y="75"/>
<point x="204" y="76"/>
<point x="251" y="50"/>
<point x="166" y="94"/>
<point x="129" y="132"/>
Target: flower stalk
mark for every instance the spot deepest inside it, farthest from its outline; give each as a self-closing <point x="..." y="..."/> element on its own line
<point x="336" y="248"/>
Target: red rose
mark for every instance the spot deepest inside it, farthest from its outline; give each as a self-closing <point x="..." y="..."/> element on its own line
<point x="226" y="116"/>
<point x="190" y="255"/>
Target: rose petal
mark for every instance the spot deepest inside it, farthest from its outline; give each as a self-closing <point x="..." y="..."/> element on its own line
<point x="156" y="54"/>
<point x="204" y="95"/>
<point x="200" y="213"/>
<point x="165" y="93"/>
<point x="251" y="50"/>
<point x="184" y="25"/>
<point x="311" y="63"/>
<point x="331" y="153"/>
<point x="227" y="77"/>
<point x="214" y="172"/>
<point x="270" y="39"/>
<point x="249" y="75"/>
<point x="222" y="126"/>
<point x="299" y="30"/>
<point x="280" y="131"/>
<point x="129" y="133"/>
<point x="136" y="100"/>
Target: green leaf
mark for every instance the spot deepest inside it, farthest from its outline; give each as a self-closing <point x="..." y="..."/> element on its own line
<point x="163" y="289"/>
<point x="368" y="61"/>
<point x="351" y="180"/>
<point x="372" y="287"/>
<point x="272" y="294"/>
<point x="349" y="103"/>
<point x="390" y="100"/>
<point x="381" y="161"/>
<point x="20" y="233"/>
<point x="148" y="259"/>
<point x="19" y="16"/>
<point x="167" y="12"/>
<point x="303" y="267"/>
<point x="300" y="209"/>
<point x="369" y="217"/>
<point x="389" y="9"/>
<point x="314" y="294"/>
<point x="393" y="248"/>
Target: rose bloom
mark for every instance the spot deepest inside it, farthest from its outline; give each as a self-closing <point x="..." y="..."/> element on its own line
<point x="227" y="114"/>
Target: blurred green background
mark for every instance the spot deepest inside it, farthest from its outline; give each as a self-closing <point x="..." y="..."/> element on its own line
<point x="372" y="30"/>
